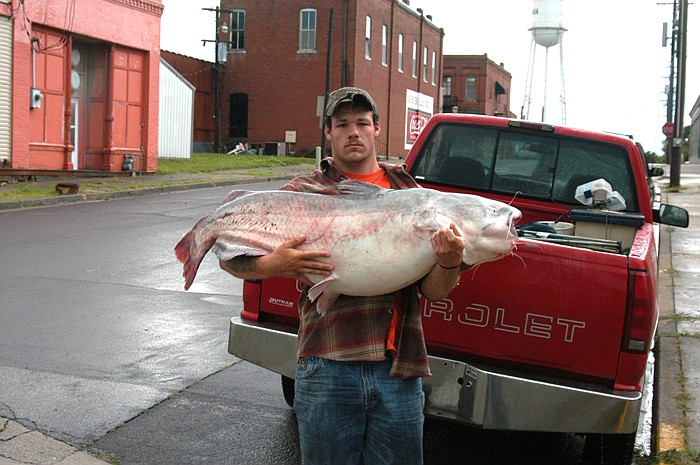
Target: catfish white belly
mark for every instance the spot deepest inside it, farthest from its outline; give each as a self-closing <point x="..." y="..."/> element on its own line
<point x="379" y="239"/>
<point x="380" y="263"/>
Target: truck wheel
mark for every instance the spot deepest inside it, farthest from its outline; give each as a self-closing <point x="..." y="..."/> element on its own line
<point x="288" y="390"/>
<point x="608" y="449"/>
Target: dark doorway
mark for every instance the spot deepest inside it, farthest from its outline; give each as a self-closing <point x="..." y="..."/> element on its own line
<point x="238" y="126"/>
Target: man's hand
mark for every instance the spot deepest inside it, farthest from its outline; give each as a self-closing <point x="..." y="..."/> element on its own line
<point x="285" y="261"/>
<point x="448" y="245"/>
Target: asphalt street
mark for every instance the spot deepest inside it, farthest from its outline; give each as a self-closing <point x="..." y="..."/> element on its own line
<point x="103" y="352"/>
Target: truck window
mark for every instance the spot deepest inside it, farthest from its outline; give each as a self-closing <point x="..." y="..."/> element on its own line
<point x="458" y="155"/>
<point x="513" y="162"/>
<point x="525" y="163"/>
<point x="582" y="161"/>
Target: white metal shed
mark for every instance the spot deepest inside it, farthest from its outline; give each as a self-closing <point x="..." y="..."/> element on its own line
<point x="5" y="88"/>
<point x="176" y="114"/>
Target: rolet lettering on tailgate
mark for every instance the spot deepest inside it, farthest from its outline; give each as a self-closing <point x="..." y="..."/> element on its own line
<point x="482" y="316"/>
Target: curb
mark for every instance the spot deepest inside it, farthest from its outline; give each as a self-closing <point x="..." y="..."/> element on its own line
<point x="139" y="191"/>
<point x="669" y="434"/>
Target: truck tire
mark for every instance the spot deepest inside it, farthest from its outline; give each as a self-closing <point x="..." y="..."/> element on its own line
<point x="288" y="390"/>
<point x="608" y="449"/>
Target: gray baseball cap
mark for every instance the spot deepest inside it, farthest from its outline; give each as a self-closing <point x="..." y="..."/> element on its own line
<point x="350" y="95"/>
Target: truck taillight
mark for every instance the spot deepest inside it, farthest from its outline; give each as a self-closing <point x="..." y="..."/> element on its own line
<point x="640" y="324"/>
<point x="642" y="314"/>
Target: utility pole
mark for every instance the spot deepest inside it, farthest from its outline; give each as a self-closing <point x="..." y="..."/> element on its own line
<point x="217" y="68"/>
<point x="329" y="57"/>
<point x="671" y="77"/>
<point x="682" y="43"/>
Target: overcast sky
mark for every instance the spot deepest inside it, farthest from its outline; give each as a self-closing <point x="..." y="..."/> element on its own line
<point x="615" y="69"/>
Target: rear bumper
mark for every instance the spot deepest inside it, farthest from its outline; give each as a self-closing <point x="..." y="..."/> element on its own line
<point x="469" y="394"/>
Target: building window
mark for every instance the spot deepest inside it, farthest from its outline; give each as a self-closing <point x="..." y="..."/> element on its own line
<point x="385" y="32"/>
<point x="400" y="60"/>
<point x="237" y="39"/>
<point x="414" y="65"/>
<point x="470" y="93"/>
<point x="432" y="70"/>
<point x="425" y="64"/>
<point x="307" y="30"/>
<point x="447" y="101"/>
<point x="368" y="38"/>
<point x="447" y="85"/>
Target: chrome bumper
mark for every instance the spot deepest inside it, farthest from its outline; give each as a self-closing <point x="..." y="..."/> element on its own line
<point x="468" y="394"/>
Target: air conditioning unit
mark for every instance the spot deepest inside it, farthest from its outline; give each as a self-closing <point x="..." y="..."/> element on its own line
<point x="275" y="148"/>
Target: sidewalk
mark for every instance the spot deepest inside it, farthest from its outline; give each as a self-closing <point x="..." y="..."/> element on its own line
<point x="21" y="446"/>
<point x="678" y="352"/>
<point x="678" y="385"/>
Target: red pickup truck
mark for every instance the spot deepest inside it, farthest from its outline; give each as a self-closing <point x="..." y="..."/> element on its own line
<point x="555" y="338"/>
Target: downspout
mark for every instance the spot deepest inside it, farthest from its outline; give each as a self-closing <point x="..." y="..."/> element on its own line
<point x="344" y="70"/>
<point x="35" y="40"/>
<point x="420" y="52"/>
<point x="439" y="83"/>
<point x="329" y="56"/>
<point x="391" y="73"/>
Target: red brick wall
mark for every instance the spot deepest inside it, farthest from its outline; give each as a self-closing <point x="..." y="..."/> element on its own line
<point x="129" y="24"/>
<point x="283" y="84"/>
<point x="487" y="73"/>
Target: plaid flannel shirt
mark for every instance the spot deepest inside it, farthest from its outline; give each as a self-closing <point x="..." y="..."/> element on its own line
<point x="356" y="327"/>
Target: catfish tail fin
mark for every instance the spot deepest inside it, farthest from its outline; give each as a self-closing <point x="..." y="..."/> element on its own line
<point x="191" y="261"/>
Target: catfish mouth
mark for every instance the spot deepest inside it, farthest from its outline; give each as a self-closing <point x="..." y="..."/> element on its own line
<point x="512" y="234"/>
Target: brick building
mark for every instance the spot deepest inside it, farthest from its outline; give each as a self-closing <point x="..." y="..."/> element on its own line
<point x="276" y="65"/>
<point x="475" y="84"/>
<point x="83" y="83"/>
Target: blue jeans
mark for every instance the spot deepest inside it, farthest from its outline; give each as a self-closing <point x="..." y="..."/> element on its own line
<point x="350" y="409"/>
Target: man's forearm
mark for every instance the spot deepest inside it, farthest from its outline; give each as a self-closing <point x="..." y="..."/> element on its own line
<point x="439" y="282"/>
<point x="243" y="266"/>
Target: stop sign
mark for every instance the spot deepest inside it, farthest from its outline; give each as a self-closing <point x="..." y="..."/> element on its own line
<point x="667" y="129"/>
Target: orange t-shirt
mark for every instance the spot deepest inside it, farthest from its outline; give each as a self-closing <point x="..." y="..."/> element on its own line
<point x="381" y="179"/>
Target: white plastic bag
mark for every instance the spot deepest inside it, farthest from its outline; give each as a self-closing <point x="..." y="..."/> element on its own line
<point x="600" y="192"/>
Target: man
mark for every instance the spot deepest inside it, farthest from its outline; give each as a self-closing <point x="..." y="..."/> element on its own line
<point x="358" y="389"/>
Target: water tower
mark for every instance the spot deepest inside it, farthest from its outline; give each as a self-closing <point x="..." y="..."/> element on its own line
<point x="547" y="31"/>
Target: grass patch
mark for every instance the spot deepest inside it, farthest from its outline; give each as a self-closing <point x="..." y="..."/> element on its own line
<point x="104" y="458"/>
<point x="212" y="162"/>
<point x="201" y="164"/>
<point x="26" y="192"/>
<point x="674" y="189"/>
<point x="671" y="457"/>
<point x="680" y="317"/>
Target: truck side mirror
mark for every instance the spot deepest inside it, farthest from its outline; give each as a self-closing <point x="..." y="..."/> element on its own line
<point x="672" y="216"/>
<point x="656" y="171"/>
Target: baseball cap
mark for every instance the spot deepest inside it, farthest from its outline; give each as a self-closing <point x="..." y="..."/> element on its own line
<point x="350" y="95"/>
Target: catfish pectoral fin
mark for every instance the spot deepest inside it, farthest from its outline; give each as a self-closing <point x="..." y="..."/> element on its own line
<point x="325" y="299"/>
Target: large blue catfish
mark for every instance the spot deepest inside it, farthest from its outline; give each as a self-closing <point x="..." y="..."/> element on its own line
<point x="379" y="239"/>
